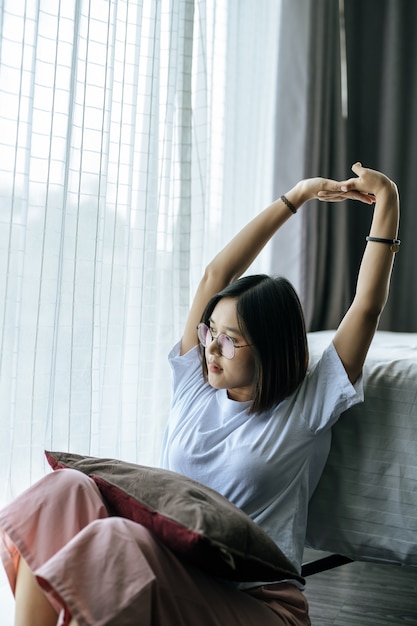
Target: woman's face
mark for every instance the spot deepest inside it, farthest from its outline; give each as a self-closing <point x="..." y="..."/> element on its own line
<point x="236" y="374"/>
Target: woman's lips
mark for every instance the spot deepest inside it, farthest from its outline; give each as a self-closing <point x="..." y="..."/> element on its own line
<point x="212" y="367"/>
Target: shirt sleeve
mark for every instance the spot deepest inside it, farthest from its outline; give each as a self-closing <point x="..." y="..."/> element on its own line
<point x="186" y="372"/>
<point x="186" y="369"/>
<point x="327" y="392"/>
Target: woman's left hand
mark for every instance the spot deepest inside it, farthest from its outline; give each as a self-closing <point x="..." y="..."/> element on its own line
<point x="339" y="195"/>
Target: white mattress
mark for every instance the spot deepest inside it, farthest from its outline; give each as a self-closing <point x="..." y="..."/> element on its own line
<point x="365" y="506"/>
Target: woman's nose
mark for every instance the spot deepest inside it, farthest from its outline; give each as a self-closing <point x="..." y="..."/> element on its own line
<point x="212" y="346"/>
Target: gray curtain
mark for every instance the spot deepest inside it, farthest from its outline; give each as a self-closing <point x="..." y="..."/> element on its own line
<point x="290" y="128"/>
<point x="325" y="288"/>
<point x="381" y="38"/>
<point x="311" y="141"/>
<point x="380" y="130"/>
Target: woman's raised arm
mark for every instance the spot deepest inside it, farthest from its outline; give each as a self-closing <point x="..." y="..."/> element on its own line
<point x="355" y="333"/>
<point x="231" y="262"/>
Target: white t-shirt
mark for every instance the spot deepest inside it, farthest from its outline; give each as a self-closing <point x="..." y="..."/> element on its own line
<point x="267" y="464"/>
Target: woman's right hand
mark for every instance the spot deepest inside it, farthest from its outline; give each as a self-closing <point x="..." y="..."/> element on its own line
<point x="366" y="179"/>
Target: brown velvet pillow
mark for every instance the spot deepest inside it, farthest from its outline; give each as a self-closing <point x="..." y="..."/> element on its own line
<point x="194" y="521"/>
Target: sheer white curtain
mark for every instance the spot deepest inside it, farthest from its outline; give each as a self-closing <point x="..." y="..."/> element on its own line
<point x="136" y="137"/>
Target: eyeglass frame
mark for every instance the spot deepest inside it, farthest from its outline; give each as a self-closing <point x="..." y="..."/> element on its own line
<point x="205" y="345"/>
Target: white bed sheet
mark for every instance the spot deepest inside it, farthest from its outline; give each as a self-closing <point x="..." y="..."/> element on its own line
<point x="365" y="506"/>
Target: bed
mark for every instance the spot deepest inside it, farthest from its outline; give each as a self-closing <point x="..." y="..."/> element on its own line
<point x="365" y="506"/>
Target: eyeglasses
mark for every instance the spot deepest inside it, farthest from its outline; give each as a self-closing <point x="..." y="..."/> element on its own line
<point x="225" y="344"/>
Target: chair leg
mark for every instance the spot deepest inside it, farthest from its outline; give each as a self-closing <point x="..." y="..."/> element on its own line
<point x="324" y="563"/>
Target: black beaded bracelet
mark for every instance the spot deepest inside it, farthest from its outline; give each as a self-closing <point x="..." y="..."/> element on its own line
<point x="394" y="244"/>
<point x="289" y="204"/>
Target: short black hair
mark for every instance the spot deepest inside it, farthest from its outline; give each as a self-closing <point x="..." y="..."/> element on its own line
<point x="271" y="319"/>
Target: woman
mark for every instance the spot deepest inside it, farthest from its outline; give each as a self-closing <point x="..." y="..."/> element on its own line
<point x="247" y="419"/>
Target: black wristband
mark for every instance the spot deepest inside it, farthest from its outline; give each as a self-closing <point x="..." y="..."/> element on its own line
<point x="394" y="244"/>
<point x="289" y="204"/>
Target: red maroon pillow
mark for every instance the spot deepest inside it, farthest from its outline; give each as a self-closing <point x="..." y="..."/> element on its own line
<point x="194" y="521"/>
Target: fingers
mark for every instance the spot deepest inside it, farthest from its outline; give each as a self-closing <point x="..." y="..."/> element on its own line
<point x="350" y="194"/>
<point x="351" y="182"/>
<point x="357" y="188"/>
<point x="367" y="181"/>
<point x="350" y="189"/>
<point x="364" y="186"/>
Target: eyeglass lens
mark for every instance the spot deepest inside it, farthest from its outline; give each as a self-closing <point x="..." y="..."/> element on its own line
<point x="224" y="342"/>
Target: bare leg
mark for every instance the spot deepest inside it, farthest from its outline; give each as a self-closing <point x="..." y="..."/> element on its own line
<point x="32" y="606"/>
<point x="73" y="623"/>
